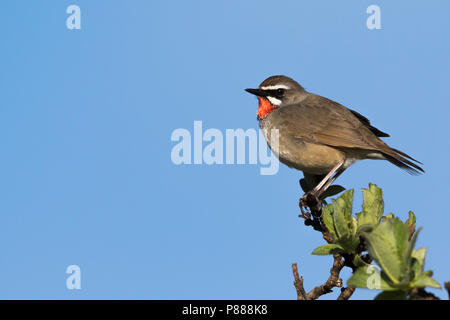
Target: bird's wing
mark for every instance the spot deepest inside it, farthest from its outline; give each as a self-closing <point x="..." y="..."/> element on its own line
<point x="320" y="120"/>
<point x="367" y="123"/>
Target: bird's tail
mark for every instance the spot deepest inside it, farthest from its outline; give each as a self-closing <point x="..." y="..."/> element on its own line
<point x="403" y="161"/>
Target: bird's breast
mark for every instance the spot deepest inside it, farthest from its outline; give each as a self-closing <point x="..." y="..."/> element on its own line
<point x="300" y="154"/>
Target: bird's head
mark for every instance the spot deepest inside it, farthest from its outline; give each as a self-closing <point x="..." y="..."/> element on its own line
<point x="276" y="92"/>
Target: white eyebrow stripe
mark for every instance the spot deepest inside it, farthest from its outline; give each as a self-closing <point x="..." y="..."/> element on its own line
<point x="278" y="86"/>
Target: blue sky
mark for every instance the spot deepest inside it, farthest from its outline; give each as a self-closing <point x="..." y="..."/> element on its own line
<point x="86" y="118"/>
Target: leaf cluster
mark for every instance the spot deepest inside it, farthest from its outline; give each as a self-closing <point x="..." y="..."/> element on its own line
<point x="387" y="240"/>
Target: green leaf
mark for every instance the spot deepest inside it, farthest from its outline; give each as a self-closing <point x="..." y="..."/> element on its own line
<point x="358" y="262"/>
<point x="339" y="221"/>
<point x="418" y="262"/>
<point x="404" y="247"/>
<point x="411" y="219"/>
<point x="410" y="223"/>
<point x="344" y="222"/>
<point x="383" y="245"/>
<point x="392" y="295"/>
<point x="407" y="258"/>
<point x="370" y="277"/>
<point x="421" y="278"/>
<point x="328" y="249"/>
<point x="424" y="280"/>
<point x="419" y="255"/>
<point x="349" y="242"/>
<point x="328" y="220"/>
<point x="364" y="228"/>
<point x="342" y="214"/>
<point x="372" y="208"/>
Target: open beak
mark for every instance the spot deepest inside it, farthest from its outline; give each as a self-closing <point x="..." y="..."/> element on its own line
<point x="257" y="92"/>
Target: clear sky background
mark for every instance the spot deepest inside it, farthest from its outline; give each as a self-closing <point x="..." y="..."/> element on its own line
<point x="86" y="118"/>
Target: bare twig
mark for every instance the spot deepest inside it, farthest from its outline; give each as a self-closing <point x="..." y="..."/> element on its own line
<point x="298" y="283"/>
<point x="346" y="293"/>
<point x="333" y="279"/>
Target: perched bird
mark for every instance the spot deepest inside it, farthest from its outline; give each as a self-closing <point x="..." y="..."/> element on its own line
<point x="319" y="136"/>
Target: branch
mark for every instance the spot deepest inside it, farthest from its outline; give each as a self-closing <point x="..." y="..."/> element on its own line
<point x="298" y="283"/>
<point x="346" y="293"/>
<point x="333" y="281"/>
<point x="313" y="218"/>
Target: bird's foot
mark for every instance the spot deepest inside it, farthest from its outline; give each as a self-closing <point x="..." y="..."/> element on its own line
<point x="313" y="202"/>
<point x="303" y="208"/>
<point x="313" y="215"/>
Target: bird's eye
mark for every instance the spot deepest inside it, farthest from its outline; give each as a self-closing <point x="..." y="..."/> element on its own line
<point x="280" y="92"/>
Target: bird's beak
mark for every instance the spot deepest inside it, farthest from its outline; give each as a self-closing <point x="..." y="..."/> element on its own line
<point x="257" y="92"/>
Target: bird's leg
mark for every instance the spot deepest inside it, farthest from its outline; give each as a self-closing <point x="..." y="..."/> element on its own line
<point x="329" y="182"/>
<point x="327" y="177"/>
<point x="312" y="198"/>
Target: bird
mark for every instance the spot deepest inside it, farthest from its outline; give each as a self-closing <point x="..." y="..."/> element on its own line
<point x="319" y="136"/>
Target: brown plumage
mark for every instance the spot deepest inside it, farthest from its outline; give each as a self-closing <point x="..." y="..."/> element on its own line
<point x="318" y="135"/>
<point x="322" y="121"/>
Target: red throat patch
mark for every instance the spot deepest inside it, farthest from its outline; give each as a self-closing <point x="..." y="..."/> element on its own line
<point x="265" y="107"/>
